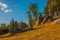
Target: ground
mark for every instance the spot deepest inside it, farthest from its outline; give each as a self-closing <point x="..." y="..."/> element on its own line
<point x="42" y="32"/>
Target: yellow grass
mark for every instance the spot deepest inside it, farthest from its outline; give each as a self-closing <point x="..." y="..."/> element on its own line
<point x="46" y="31"/>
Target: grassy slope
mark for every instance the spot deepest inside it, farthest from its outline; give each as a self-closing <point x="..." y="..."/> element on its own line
<point x="46" y="32"/>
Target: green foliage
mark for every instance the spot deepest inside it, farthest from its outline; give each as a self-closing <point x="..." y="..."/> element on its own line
<point x="29" y="17"/>
<point x="13" y="27"/>
<point x="32" y="13"/>
<point x="4" y="29"/>
<point x="33" y="9"/>
<point x="53" y="6"/>
<point x="23" y="26"/>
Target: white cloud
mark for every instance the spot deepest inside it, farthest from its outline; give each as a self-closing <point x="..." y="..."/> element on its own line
<point x="4" y="7"/>
<point x="6" y="11"/>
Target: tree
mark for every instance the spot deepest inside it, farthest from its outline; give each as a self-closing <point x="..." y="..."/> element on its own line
<point x="33" y="9"/>
<point x="30" y="20"/>
<point x="11" y="26"/>
<point x="22" y="26"/>
<point x="13" y="29"/>
<point x="52" y="9"/>
<point x="58" y="7"/>
<point x="33" y="14"/>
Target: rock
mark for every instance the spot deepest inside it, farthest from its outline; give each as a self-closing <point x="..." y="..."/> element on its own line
<point x="57" y="21"/>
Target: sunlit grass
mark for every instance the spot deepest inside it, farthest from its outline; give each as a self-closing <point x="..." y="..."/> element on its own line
<point x="47" y="31"/>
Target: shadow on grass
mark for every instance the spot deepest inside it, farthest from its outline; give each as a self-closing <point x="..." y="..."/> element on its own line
<point x="19" y="33"/>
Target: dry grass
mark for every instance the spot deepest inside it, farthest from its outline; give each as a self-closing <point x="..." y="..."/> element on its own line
<point x="46" y="31"/>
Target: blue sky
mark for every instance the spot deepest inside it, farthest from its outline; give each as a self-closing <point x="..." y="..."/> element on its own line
<point x="17" y="9"/>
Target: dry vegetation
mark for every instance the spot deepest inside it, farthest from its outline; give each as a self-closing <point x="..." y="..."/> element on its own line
<point x="47" y="31"/>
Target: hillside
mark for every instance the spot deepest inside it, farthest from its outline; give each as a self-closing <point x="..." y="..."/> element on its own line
<point x="45" y="32"/>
